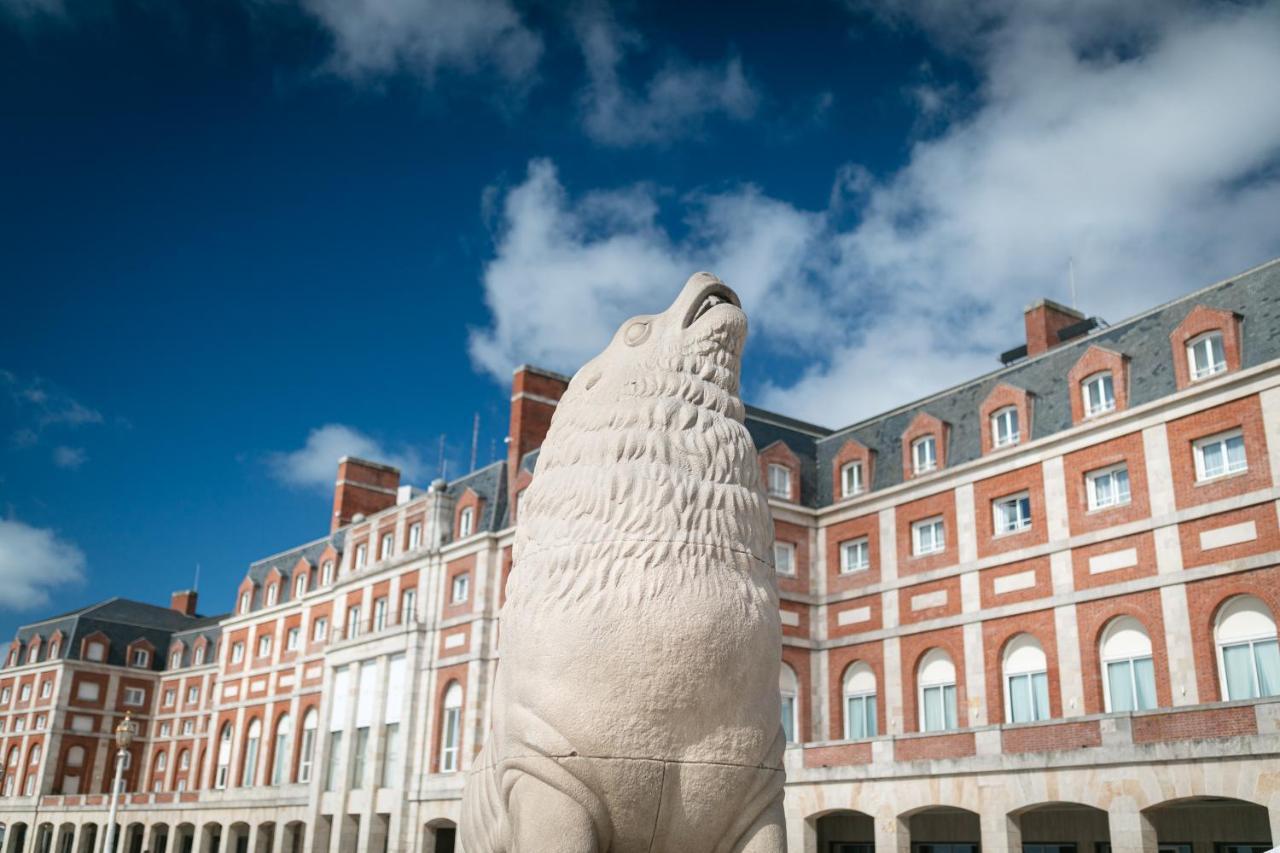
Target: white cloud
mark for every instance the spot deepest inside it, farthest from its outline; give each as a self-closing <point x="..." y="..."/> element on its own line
<point x="381" y="38"/>
<point x="315" y="464"/>
<point x="70" y="458"/>
<point x="1143" y="146"/>
<point x="675" y="101"/>
<point x="39" y="406"/>
<point x="34" y="560"/>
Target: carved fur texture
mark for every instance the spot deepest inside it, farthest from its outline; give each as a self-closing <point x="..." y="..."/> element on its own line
<point x="636" y="704"/>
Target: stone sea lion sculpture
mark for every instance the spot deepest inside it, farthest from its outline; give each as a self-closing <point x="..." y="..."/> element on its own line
<point x="636" y="705"/>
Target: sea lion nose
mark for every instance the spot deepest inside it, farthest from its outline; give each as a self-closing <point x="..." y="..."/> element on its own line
<point x="701" y="292"/>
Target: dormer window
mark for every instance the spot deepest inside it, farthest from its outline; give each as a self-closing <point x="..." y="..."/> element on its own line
<point x="53" y="650"/>
<point x="244" y="602"/>
<point x="1004" y="427"/>
<point x="1099" y="394"/>
<point x="415" y="535"/>
<point x="780" y="481"/>
<point x="466" y="522"/>
<point x="851" y="479"/>
<point x="924" y="454"/>
<point x="175" y="660"/>
<point x="326" y="573"/>
<point x="300" y="586"/>
<point x="33" y="653"/>
<point x="1206" y="355"/>
<point x="388" y="546"/>
<point x="273" y="594"/>
<point x="96" y="652"/>
<point x="139" y="658"/>
<point x="362" y="555"/>
<point x="199" y="657"/>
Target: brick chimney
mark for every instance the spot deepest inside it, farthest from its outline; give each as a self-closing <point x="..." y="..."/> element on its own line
<point x="534" y="395"/>
<point x="363" y="488"/>
<point x="1044" y="319"/>
<point x="183" y="601"/>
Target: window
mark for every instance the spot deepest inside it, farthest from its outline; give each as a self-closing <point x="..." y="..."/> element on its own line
<point x="75" y="756"/>
<point x="184" y="760"/>
<point x="461" y="588"/>
<point x="291" y="639"/>
<point x="139" y="658"/>
<point x="353" y="621"/>
<point x="380" y="614"/>
<point x="46" y="689"/>
<point x="250" y="774"/>
<point x="162" y="761"/>
<point x="1099" y="394"/>
<point x="318" y="629"/>
<point x="358" y="757"/>
<point x="390" y="754"/>
<point x="224" y="757"/>
<point x="408" y="601"/>
<point x="264" y="645"/>
<point x="300" y="586"/>
<point x="1220" y="455"/>
<point x="5" y="694"/>
<point x="851" y="479"/>
<point x="88" y="691"/>
<point x="784" y="558"/>
<point x="388" y="546"/>
<point x="780" y="481"/>
<point x="273" y="594"/>
<point x="1012" y="513"/>
<point x="244" y="602"/>
<point x="1107" y="487"/>
<point x="134" y="696"/>
<point x="326" y="573"/>
<point x="280" y="753"/>
<point x="199" y="658"/>
<point x="175" y="660"/>
<point x="1248" y="656"/>
<point x="81" y="723"/>
<point x="188" y="727"/>
<point x="924" y="454"/>
<point x="41" y="720"/>
<point x="24" y="693"/>
<point x="466" y="522"/>
<point x="334" y="762"/>
<point x="859" y="702"/>
<point x="170" y="696"/>
<point x="96" y="652"/>
<point x="937" y="679"/>
<point x="451" y="729"/>
<point x="237" y="652"/>
<point x="1004" y="427"/>
<point x="1026" y="681"/>
<point x="1129" y="679"/>
<point x="362" y="554"/>
<point x="53" y="650"/>
<point x="928" y="536"/>
<point x="415" y="535"/>
<point x="165" y="730"/>
<point x="855" y="555"/>
<point x="789" y="693"/>
<point x="193" y="695"/>
<point x="306" y="754"/>
<point x="33" y="654"/>
<point x="1205" y="355"/>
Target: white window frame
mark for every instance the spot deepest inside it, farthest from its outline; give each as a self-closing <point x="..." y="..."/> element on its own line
<point x="198" y="658"/>
<point x="1021" y="522"/>
<point x="415" y="535"/>
<point x="938" y="543"/>
<point x="380" y="613"/>
<point x="292" y="638"/>
<point x="134" y="697"/>
<point x="1131" y="659"/>
<point x="388" y="548"/>
<point x="779" y="481"/>
<point x="300" y="586"/>
<point x="362" y="555"/>
<point x="273" y="594"/>
<point x="1012" y="431"/>
<point x="1107" y="404"/>
<point x="851" y="482"/>
<point x="1198" y="447"/>
<point x="96" y="652"/>
<point x="852" y="547"/>
<point x="924" y="454"/>
<point x="864" y="697"/>
<point x="1009" y="674"/>
<point x="460" y="588"/>
<point x="193" y="694"/>
<point x="924" y="689"/>
<point x="466" y="522"/>
<point x="245" y="599"/>
<point x="326" y="573"/>
<point x="451" y="729"/>
<point x="237" y="652"/>
<point x="784" y="552"/>
<point x="1092" y="478"/>
<point x="139" y="658"/>
<point x="1251" y="640"/>
<point x="318" y="629"/>
<point x="1213" y="367"/>
<point x="264" y="645"/>
<point x="170" y="696"/>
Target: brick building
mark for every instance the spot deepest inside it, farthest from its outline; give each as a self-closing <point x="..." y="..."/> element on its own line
<point x="1034" y="612"/>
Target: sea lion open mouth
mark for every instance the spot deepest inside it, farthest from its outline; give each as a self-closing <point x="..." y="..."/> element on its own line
<point x="713" y="295"/>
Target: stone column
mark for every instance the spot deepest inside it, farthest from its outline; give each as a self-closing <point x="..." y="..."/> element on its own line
<point x="1131" y="830"/>
<point x="1001" y="832"/>
<point x="892" y="835"/>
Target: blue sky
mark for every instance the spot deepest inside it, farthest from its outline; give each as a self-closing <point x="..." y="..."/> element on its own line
<point x="239" y="238"/>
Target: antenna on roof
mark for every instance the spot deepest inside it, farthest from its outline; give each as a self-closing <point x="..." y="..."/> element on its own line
<point x="441" y="461"/>
<point x="1071" y="275"/>
<point x="475" y="439"/>
<point x="195" y="586"/>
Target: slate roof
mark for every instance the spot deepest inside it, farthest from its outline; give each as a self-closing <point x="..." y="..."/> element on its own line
<point x="490" y="483"/>
<point x="285" y="562"/>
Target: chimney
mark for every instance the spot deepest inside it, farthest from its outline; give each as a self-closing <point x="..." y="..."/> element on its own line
<point x="1045" y="319"/>
<point x="183" y="601"/>
<point x="534" y="395"/>
<point x="363" y="488"/>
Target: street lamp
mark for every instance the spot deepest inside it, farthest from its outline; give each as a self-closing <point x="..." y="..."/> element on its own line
<point x="124" y="737"/>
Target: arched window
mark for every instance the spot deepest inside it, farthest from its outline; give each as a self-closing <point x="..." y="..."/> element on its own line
<point x="300" y="586"/>
<point x="280" y="757"/>
<point x="1099" y="393"/>
<point x="1248" y="655"/>
<point x="789" y="690"/>
<point x="184" y="765"/>
<point x="33" y="652"/>
<point x="11" y="771"/>
<point x="451" y="729"/>
<point x="1004" y="427"/>
<point x="307" y="754"/>
<point x="937" y="680"/>
<point x="859" y="702"/>
<point x="1129" y="676"/>
<point x="466" y="522"/>
<point x="1206" y="355"/>
<point x="224" y="757"/>
<point x="254" y="736"/>
<point x="198" y="660"/>
<point x="1026" y="681"/>
<point x="157" y="773"/>
<point x="273" y="594"/>
<point x="162" y="761"/>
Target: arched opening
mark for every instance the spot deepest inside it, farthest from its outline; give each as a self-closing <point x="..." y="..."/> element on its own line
<point x="1248" y="654"/>
<point x="936" y="697"/>
<point x="306" y="753"/>
<point x="439" y="836"/>
<point x="184" y="838"/>
<point x="943" y="829"/>
<point x="237" y="839"/>
<point x="1128" y="671"/>
<point x="1026" y="680"/>
<point x="131" y="838"/>
<point x="253" y="738"/>
<point x="294" y="837"/>
<point x="66" y="838"/>
<point x="280" y="752"/>
<point x="158" y="838"/>
<point x="1210" y="825"/>
<point x="224" y="757"/>
<point x="789" y="691"/>
<point x="860" y="702"/>
<point x="1061" y="828"/>
<point x="451" y="730"/>
<point x="846" y="831"/>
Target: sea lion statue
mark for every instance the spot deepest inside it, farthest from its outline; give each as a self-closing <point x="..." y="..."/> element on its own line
<point x="636" y="705"/>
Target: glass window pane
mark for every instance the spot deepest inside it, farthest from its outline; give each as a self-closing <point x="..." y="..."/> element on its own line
<point x="1144" y="679"/>
<point x="949" y="700"/>
<point x="788" y="718"/>
<point x="1121" y="481"/>
<point x="1040" y="688"/>
<point x="932" y="709"/>
<point x="1020" y="699"/>
<point x="1212" y="459"/>
<point x="869" y="705"/>
<point x="857" y="722"/>
<point x="1267" y="655"/>
<point x="1120" y="683"/>
<point x="1238" y="662"/>
<point x="1235" y="453"/>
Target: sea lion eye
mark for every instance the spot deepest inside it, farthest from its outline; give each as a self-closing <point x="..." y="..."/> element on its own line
<point x="637" y="333"/>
